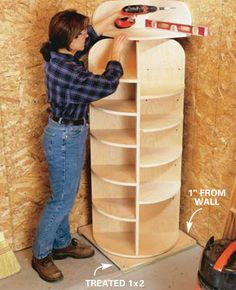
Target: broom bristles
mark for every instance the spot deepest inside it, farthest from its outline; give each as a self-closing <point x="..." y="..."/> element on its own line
<point x="8" y="262"/>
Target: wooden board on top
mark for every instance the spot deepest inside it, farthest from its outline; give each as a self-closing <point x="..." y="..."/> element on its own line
<point x="126" y="264"/>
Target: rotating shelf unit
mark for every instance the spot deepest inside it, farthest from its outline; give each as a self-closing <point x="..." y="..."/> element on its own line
<point x="136" y="145"/>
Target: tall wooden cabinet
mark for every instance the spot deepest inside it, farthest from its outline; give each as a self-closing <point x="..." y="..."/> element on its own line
<point x="136" y="144"/>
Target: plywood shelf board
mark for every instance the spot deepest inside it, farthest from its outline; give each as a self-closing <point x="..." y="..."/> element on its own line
<point x="100" y="54"/>
<point x="117" y="107"/>
<point x="117" y="137"/>
<point x="155" y="244"/>
<point x="117" y="208"/>
<point x="155" y="92"/>
<point x="121" y="244"/>
<point x="159" y="122"/>
<point x="151" y="157"/>
<point x="130" y="77"/>
<point x="116" y="174"/>
<point x="158" y="192"/>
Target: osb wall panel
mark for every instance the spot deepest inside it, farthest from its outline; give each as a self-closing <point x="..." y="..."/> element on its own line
<point x="209" y="159"/>
<point x="5" y="215"/>
<point x="209" y="135"/>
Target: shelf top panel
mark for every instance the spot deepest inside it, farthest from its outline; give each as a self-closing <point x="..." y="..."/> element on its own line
<point x="179" y="14"/>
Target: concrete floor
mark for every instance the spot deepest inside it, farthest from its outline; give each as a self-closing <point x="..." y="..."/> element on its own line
<point x="177" y="272"/>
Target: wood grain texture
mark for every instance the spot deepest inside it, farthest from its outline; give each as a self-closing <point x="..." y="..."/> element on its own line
<point x="210" y="115"/>
<point x="210" y="112"/>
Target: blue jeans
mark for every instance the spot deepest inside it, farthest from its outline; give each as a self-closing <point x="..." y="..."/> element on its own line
<point x="64" y="148"/>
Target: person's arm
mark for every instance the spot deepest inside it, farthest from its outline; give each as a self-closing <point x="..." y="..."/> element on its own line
<point x="95" y="31"/>
<point x="88" y="87"/>
<point x="89" y="42"/>
<point x="101" y="25"/>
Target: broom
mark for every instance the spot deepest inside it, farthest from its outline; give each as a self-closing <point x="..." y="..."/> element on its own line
<point x="230" y="225"/>
<point x="8" y="262"/>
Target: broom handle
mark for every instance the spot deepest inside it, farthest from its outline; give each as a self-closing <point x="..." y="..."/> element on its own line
<point x="229" y="229"/>
<point x="1" y="237"/>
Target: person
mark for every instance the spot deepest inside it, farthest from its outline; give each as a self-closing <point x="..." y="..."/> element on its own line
<point x="70" y="88"/>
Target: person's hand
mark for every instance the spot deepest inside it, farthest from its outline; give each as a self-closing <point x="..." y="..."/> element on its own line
<point x="118" y="44"/>
<point x="106" y="22"/>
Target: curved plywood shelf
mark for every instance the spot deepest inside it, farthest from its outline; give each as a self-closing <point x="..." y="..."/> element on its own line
<point x="128" y="77"/>
<point x="155" y="192"/>
<point x="151" y="157"/>
<point x="117" y="137"/>
<point x="152" y="93"/>
<point x="160" y="122"/>
<point x="159" y="224"/>
<point x="116" y="174"/>
<point x="117" y="243"/>
<point x="116" y="208"/>
<point x="157" y="243"/>
<point x="116" y="107"/>
<point x="122" y="244"/>
<point x="100" y="55"/>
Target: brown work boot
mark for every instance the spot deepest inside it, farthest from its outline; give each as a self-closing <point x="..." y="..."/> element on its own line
<point x="77" y="249"/>
<point x="46" y="269"/>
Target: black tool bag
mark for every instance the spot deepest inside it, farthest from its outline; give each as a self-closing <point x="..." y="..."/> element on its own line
<point x="218" y="265"/>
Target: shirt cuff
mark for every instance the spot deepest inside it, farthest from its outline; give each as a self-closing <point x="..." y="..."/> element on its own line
<point x="115" y="65"/>
<point x="91" y="32"/>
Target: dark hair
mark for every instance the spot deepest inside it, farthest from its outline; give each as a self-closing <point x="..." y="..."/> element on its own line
<point x="63" y="28"/>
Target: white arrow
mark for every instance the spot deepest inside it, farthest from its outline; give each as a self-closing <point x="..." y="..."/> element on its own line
<point x="103" y="267"/>
<point x="189" y="223"/>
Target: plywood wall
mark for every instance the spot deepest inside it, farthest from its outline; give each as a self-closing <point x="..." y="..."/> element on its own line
<point x="209" y="138"/>
<point x="210" y="115"/>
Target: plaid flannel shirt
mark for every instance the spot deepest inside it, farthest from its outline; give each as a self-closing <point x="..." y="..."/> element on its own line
<point x="71" y="87"/>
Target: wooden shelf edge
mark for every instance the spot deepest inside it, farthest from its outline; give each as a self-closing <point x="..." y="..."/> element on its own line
<point x="129" y="80"/>
<point x="112" y="216"/>
<point x="126" y="255"/>
<point x="115" y="112"/>
<point x="163" y="94"/>
<point x="102" y="107"/>
<point x="104" y="140"/>
<point x="169" y="196"/>
<point x="160" y="163"/>
<point x="112" y="181"/>
<point x="175" y="123"/>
